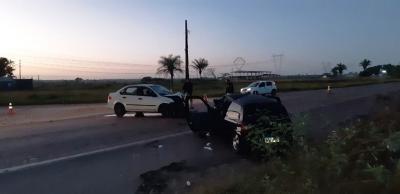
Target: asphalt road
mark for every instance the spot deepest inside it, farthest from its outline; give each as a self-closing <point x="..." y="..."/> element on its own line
<point x="117" y="170"/>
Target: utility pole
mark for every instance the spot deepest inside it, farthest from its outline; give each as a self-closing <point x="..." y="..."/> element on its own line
<point x="20" y="69"/>
<point x="186" y="53"/>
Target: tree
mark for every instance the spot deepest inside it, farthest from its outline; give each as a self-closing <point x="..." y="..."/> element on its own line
<point x="338" y="69"/>
<point x="341" y="67"/>
<point x="6" y="67"/>
<point x="169" y="65"/>
<point x="334" y="71"/>
<point x="365" y="63"/>
<point x="146" y="79"/>
<point x="78" y="79"/>
<point x="200" y="65"/>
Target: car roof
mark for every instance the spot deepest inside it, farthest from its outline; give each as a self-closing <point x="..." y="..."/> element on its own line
<point x="264" y="81"/>
<point x="146" y="85"/>
<point x="255" y="99"/>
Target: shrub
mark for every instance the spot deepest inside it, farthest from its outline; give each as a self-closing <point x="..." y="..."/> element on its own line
<point x="273" y="136"/>
<point x="361" y="158"/>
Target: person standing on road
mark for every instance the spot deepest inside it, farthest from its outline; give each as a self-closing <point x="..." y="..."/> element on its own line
<point x="229" y="87"/>
<point x="188" y="90"/>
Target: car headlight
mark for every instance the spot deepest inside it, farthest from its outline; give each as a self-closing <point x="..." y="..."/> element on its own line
<point x="245" y="89"/>
<point x="232" y="115"/>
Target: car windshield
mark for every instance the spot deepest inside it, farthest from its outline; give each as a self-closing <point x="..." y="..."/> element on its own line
<point x="254" y="84"/>
<point x="161" y="90"/>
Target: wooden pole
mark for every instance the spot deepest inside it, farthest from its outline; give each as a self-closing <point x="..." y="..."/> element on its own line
<point x="186" y="53"/>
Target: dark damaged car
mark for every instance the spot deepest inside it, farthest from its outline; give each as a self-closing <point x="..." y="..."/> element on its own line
<point x="233" y="115"/>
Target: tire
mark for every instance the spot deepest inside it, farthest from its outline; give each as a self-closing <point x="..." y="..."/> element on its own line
<point x="273" y="92"/>
<point x="164" y="110"/>
<point x="240" y="145"/>
<point x="119" y="110"/>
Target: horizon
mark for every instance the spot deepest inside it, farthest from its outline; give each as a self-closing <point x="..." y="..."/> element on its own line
<point x="125" y="39"/>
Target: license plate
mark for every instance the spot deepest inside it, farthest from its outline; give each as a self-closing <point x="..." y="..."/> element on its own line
<point x="269" y="140"/>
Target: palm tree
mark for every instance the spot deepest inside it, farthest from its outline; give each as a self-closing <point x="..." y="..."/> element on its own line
<point x="341" y="67"/>
<point x="200" y="65"/>
<point x="365" y="63"/>
<point x="169" y="65"/>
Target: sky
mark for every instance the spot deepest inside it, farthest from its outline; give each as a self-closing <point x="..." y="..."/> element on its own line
<point x="96" y="39"/>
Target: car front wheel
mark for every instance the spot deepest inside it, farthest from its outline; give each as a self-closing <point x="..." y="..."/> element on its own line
<point x="119" y="110"/>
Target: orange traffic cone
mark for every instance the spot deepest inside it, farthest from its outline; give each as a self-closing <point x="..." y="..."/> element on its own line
<point x="10" y="109"/>
<point x="329" y="90"/>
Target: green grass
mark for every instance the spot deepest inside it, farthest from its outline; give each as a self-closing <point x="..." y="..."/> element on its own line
<point x="71" y="92"/>
<point x="361" y="157"/>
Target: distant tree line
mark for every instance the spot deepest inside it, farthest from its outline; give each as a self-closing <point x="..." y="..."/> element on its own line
<point x="368" y="69"/>
<point x="388" y="69"/>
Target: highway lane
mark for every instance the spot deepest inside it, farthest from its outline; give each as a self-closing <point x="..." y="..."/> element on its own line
<point x="41" y="141"/>
<point x="117" y="170"/>
<point x="114" y="172"/>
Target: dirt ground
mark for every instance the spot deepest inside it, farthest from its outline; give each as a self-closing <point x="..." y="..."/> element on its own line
<point x="48" y="113"/>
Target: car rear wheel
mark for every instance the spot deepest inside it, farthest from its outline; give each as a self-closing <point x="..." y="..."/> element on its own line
<point x="119" y="110"/>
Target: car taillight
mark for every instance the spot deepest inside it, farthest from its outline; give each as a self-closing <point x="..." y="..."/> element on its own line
<point x="243" y="127"/>
<point x="109" y="98"/>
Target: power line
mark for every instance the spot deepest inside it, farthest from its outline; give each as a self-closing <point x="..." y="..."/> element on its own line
<point x="84" y="71"/>
<point x="87" y="62"/>
<point x="78" y="67"/>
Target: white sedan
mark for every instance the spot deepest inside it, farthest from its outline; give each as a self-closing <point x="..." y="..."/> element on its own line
<point x="142" y="98"/>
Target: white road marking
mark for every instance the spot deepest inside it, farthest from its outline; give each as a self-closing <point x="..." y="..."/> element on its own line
<point x="133" y="115"/>
<point x="80" y="155"/>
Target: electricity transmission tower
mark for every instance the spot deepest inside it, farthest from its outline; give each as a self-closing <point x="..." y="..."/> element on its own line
<point x="277" y="60"/>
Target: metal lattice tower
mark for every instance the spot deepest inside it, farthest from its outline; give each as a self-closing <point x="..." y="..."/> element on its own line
<point x="277" y="60"/>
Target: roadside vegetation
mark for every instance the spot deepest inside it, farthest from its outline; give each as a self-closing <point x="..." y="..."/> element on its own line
<point x="85" y="91"/>
<point x="361" y="157"/>
<point x="96" y="91"/>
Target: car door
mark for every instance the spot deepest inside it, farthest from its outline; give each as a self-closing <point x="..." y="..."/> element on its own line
<point x="268" y="87"/>
<point x="261" y="88"/>
<point x="147" y="99"/>
<point x="129" y="98"/>
<point x="200" y="117"/>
